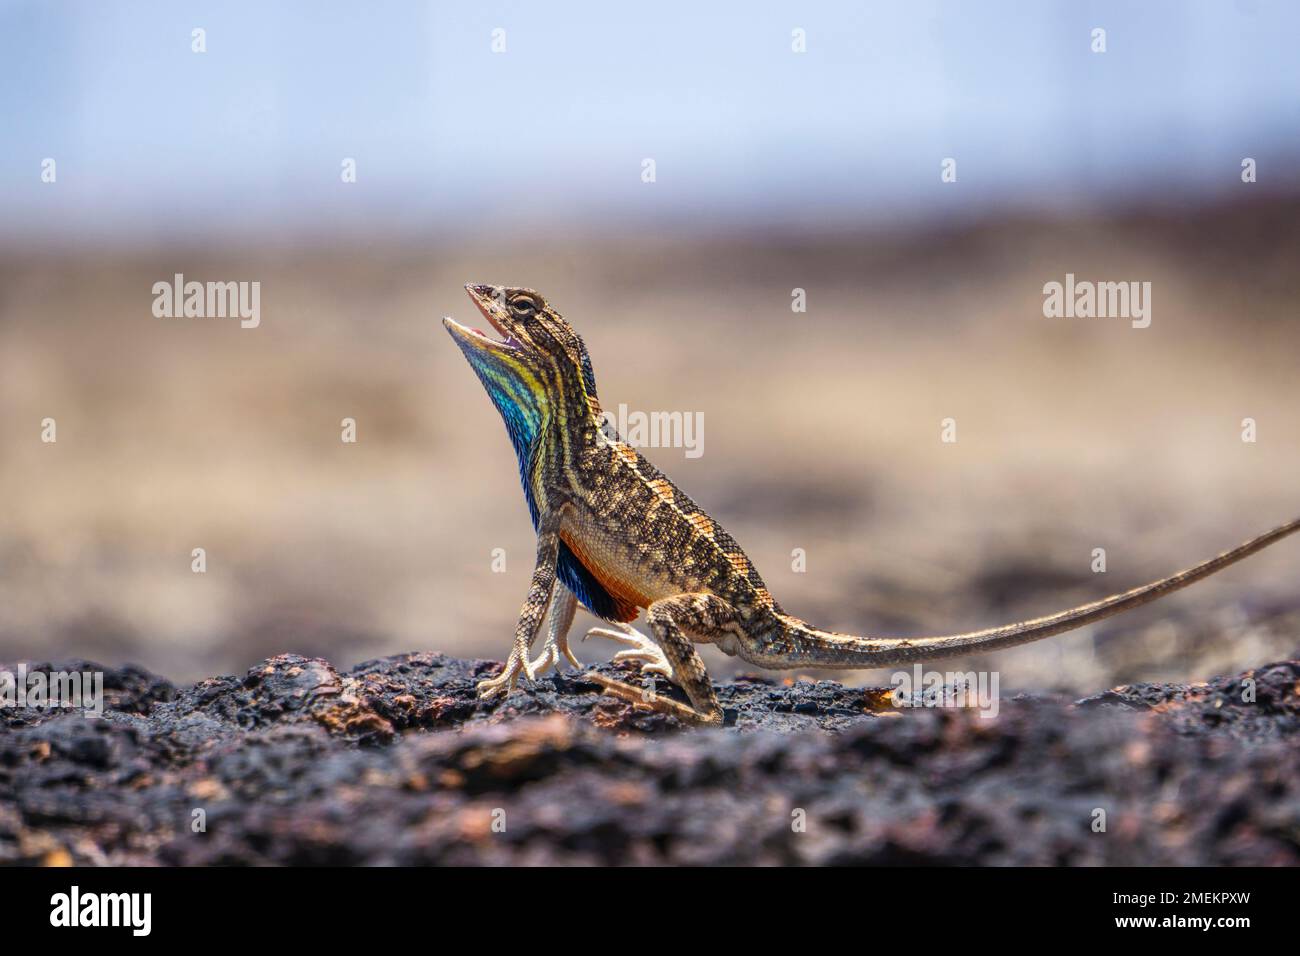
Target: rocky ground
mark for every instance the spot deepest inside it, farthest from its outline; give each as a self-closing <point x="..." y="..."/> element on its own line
<point x="396" y="762"/>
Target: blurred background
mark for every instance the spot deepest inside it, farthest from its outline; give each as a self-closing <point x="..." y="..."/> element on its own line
<point x="504" y="143"/>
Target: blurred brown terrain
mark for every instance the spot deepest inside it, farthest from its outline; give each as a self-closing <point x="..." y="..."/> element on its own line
<point x="822" y="432"/>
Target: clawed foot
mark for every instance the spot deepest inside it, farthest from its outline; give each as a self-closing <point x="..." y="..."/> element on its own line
<point x="641" y="697"/>
<point x="640" y="648"/>
<point x="505" y="682"/>
<point x="560" y="615"/>
<point x="556" y="644"/>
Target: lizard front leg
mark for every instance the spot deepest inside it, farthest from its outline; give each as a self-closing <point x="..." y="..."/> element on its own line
<point x="530" y="618"/>
<point x="560" y="615"/>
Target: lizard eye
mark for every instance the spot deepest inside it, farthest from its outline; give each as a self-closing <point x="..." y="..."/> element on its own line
<point x="523" y="305"/>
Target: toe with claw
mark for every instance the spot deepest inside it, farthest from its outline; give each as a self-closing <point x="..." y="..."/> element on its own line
<point x="506" y="681"/>
<point x="557" y="642"/>
<point x="640" y="646"/>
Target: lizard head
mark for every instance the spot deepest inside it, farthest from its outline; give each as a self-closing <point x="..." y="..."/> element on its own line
<point x="539" y="361"/>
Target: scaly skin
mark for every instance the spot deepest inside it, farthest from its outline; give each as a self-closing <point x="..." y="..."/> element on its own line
<point x="614" y="534"/>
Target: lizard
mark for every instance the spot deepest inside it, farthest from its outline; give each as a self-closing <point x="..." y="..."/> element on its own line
<point x="615" y="535"/>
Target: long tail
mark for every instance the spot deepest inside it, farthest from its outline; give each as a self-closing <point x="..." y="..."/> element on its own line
<point x="885" y="651"/>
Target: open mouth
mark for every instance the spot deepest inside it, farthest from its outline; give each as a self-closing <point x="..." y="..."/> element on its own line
<point x="482" y="298"/>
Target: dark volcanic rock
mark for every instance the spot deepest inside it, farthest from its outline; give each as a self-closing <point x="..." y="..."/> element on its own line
<point x="396" y="761"/>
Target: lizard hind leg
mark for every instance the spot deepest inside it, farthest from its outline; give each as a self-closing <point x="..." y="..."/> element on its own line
<point x="673" y="620"/>
<point x="640" y="647"/>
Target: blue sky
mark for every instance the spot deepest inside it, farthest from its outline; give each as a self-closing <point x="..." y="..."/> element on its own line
<point x="153" y="140"/>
